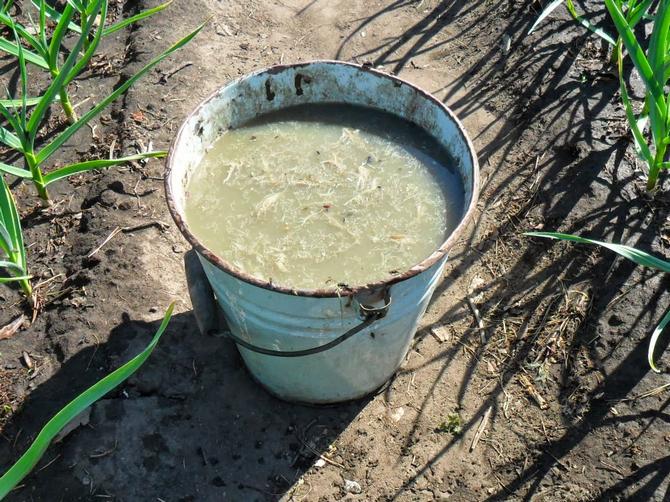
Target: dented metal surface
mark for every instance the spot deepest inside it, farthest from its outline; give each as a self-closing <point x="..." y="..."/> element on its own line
<point x="274" y="317"/>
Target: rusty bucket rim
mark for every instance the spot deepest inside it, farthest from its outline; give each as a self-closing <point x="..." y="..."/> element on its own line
<point x="227" y="267"/>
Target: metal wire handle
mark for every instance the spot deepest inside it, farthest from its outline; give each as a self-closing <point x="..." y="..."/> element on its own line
<point x="206" y="311"/>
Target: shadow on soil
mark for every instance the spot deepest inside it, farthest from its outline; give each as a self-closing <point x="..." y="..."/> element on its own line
<point x="190" y="425"/>
<point x="193" y="415"/>
<point x="558" y="164"/>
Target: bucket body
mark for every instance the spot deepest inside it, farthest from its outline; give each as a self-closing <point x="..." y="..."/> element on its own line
<point x="273" y="317"/>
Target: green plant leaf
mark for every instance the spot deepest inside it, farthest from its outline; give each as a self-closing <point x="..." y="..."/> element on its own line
<point x="137" y="17"/>
<point x="6" y="240"/>
<point x="12" y="266"/>
<point x="635" y="51"/>
<point x="551" y="7"/>
<point x="30" y="458"/>
<point x="56" y="85"/>
<point x="641" y="146"/>
<point x="629" y="252"/>
<point x="637" y="13"/>
<point x="24" y="81"/>
<point x="11" y="48"/>
<point x="659" y="40"/>
<point x="93" y="44"/>
<point x="54" y="15"/>
<point x="28" y="37"/>
<point x="10" y="139"/>
<point x="43" y="24"/>
<point x="654" y="340"/>
<point x="13" y="103"/>
<point x="16" y="171"/>
<point x="6" y="5"/>
<point x="5" y="280"/>
<point x="77" y="5"/>
<point x="49" y="149"/>
<point x="634" y="255"/>
<point x="57" y="37"/>
<point x="9" y="217"/>
<point x="80" y="167"/>
<point x="588" y="25"/>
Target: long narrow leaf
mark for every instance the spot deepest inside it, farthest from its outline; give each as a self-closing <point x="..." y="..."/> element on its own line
<point x="58" y="34"/>
<point x="10" y="219"/>
<point x="12" y="266"/>
<point x="13" y="103"/>
<point x="24" y="81"/>
<point x="48" y="150"/>
<point x="659" y="40"/>
<point x="54" y="15"/>
<point x="11" y="48"/>
<point x="4" y="280"/>
<point x="6" y="243"/>
<point x="36" y="44"/>
<point x="92" y="46"/>
<point x="588" y="25"/>
<point x="636" y="124"/>
<point x="10" y="139"/>
<point x="635" y="15"/>
<point x="6" y="5"/>
<point x="641" y="146"/>
<point x="77" y="5"/>
<point x="631" y="253"/>
<point x="30" y="458"/>
<point x="80" y="167"/>
<point x="53" y="89"/>
<point x="635" y="50"/>
<point x="551" y="7"/>
<point x="16" y="171"/>
<point x="137" y="17"/>
<point x="654" y="340"/>
<point x="43" y="25"/>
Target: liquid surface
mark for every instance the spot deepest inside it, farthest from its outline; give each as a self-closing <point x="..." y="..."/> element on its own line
<point x="324" y="195"/>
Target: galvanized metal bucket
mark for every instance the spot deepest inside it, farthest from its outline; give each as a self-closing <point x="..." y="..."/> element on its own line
<point x="327" y="345"/>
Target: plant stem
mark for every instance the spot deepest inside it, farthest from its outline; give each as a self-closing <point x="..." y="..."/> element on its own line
<point x="67" y="106"/>
<point x="26" y="287"/>
<point x="617" y="53"/>
<point x="656" y="168"/>
<point x="65" y="102"/>
<point x="38" y="179"/>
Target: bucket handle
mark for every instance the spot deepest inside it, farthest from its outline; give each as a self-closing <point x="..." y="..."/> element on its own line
<point x="208" y="314"/>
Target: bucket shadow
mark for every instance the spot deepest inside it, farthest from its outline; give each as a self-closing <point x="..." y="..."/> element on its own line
<point x="190" y="425"/>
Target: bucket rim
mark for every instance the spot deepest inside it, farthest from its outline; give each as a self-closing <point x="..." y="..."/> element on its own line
<point x="334" y="292"/>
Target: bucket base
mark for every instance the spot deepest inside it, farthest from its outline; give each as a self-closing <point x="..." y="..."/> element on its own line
<point x="323" y="404"/>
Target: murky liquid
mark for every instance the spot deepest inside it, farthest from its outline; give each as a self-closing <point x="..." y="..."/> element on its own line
<point x="318" y="196"/>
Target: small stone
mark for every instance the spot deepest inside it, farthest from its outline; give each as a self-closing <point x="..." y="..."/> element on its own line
<point x="352" y="487"/>
<point x="398" y="414"/>
<point x="320" y="463"/>
<point x="440" y="333"/>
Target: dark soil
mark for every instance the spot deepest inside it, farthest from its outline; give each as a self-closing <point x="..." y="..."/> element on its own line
<point x="559" y="370"/>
